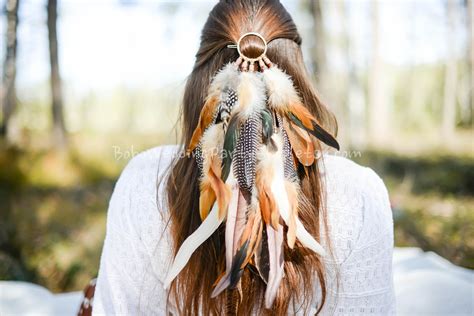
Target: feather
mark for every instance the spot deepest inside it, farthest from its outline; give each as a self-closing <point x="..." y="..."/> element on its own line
<point x="202" y="233"/>
<point x="234" y="226"/>
<point x="245" y="155"/>
<point x="227" y="78"/>
<point x="301" y="143"/>
<point x="280" y="193"/>
<point x="211" y="144"/>
<point x="251" y="95"/>
<point x="205" y="118"/>
<point x="293" y="200"/>
<point x="281" y="92"/>
<point x="314" y="129"/>
<point x="261" y="256"/>
<point x="283" y="98"/>
<point x="207" y="197"/>
<point x="221" y="190"/>
<point x="289" y="160"/>
<point x="276" y="260"/>
<point x="248" y="242"/>
<point x="230" y="142"/>
<point x="267" y="125"/>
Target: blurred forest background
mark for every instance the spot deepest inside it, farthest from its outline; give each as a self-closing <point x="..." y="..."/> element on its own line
<point x="88" y="84"/>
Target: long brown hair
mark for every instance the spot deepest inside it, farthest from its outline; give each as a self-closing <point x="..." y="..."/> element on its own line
<point x="191" y="290"/>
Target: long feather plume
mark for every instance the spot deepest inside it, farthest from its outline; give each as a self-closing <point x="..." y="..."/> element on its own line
<point x="281" y="195"/>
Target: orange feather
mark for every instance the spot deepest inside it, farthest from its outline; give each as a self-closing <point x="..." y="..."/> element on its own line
<point x="251" y="234"/>
<point x="207" y="198"/>
<point x="205" y="118"/>
<point x="302" y="114"/>
<point x="221" y="190"/>
<point x="301" y="143"/>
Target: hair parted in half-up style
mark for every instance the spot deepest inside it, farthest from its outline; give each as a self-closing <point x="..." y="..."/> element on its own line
<point x="246" y="202"/>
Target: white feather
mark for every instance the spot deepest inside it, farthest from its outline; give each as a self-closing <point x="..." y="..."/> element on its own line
<point x="204" y="231"/>
<point x="281" y="198"/>
<point x="251" y="94"/>
<point x="227" y="77"/>
<point x="281" y="91"/>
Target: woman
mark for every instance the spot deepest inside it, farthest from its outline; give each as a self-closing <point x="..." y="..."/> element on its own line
<point x="245" y="218"/>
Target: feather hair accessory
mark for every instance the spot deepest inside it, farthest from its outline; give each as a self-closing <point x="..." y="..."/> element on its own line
<point x="252" y="133"/>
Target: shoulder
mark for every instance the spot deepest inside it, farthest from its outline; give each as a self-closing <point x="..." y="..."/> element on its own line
<point x="358" y="181"/>
<point x="358" y="207"/>
<point x="152" y="161"/>
<point x="134" y="207"/>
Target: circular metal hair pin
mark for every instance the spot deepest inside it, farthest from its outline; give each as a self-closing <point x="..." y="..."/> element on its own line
<point x="246" y="58"/>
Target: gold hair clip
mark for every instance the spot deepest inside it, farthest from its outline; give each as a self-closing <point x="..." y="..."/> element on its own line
<point x="246" y="63"/>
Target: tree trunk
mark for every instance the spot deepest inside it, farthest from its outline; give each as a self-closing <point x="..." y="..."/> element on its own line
<point x="345" y="78"/>
<point x="470" y="18"/>
<point x="59" y="130"/>
<point x="8" y="94"/>
<point x="448" y="120"/>
<point x="377" y="111"/>
<point x="318" y="52"/>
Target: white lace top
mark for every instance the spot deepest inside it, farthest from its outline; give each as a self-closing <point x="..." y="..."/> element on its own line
<point x="137" y="248"/>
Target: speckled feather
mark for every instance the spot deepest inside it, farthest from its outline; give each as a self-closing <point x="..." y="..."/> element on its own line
<point x="245" y="156"/>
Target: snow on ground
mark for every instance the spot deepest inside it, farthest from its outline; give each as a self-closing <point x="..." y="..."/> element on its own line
<point x="425" y="284"/>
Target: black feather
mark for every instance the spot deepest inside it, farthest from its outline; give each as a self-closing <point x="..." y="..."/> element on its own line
<point x="317" y="131"/>
<point x="239" y="258"/>
<point x="267" y="125"/>
<point x="230" y="142"/>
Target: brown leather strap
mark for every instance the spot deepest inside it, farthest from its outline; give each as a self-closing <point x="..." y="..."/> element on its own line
<point x="86" y="305"/>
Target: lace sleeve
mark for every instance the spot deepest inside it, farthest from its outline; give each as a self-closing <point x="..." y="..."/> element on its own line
<point x="130" y="280"/>
<point x="359" y="276"/>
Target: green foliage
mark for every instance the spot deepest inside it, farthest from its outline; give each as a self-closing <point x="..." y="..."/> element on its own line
<point x="53" y="209"/>
<point x="432" y="197"/>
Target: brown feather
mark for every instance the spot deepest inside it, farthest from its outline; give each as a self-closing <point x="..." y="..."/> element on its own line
<point x="268" y="208"/>
<point x="251" y="233"/>
<point x="207" y="198"/>
<point x="221" y="190"/>
<point x="302" y="114"/>
<point x="205" y="118"/>
<point x="264" y="205"/>
<point x="301" y="143"/>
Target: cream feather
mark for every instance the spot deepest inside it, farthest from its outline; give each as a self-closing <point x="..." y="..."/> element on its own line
<point x="251" y="95"/>
<point x="227" y="77"/>
<point x="281" y="92"/>
<point x="211" y="144"/>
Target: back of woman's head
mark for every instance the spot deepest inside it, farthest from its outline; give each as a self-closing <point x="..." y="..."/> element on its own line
<point x="191" y="291"/>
